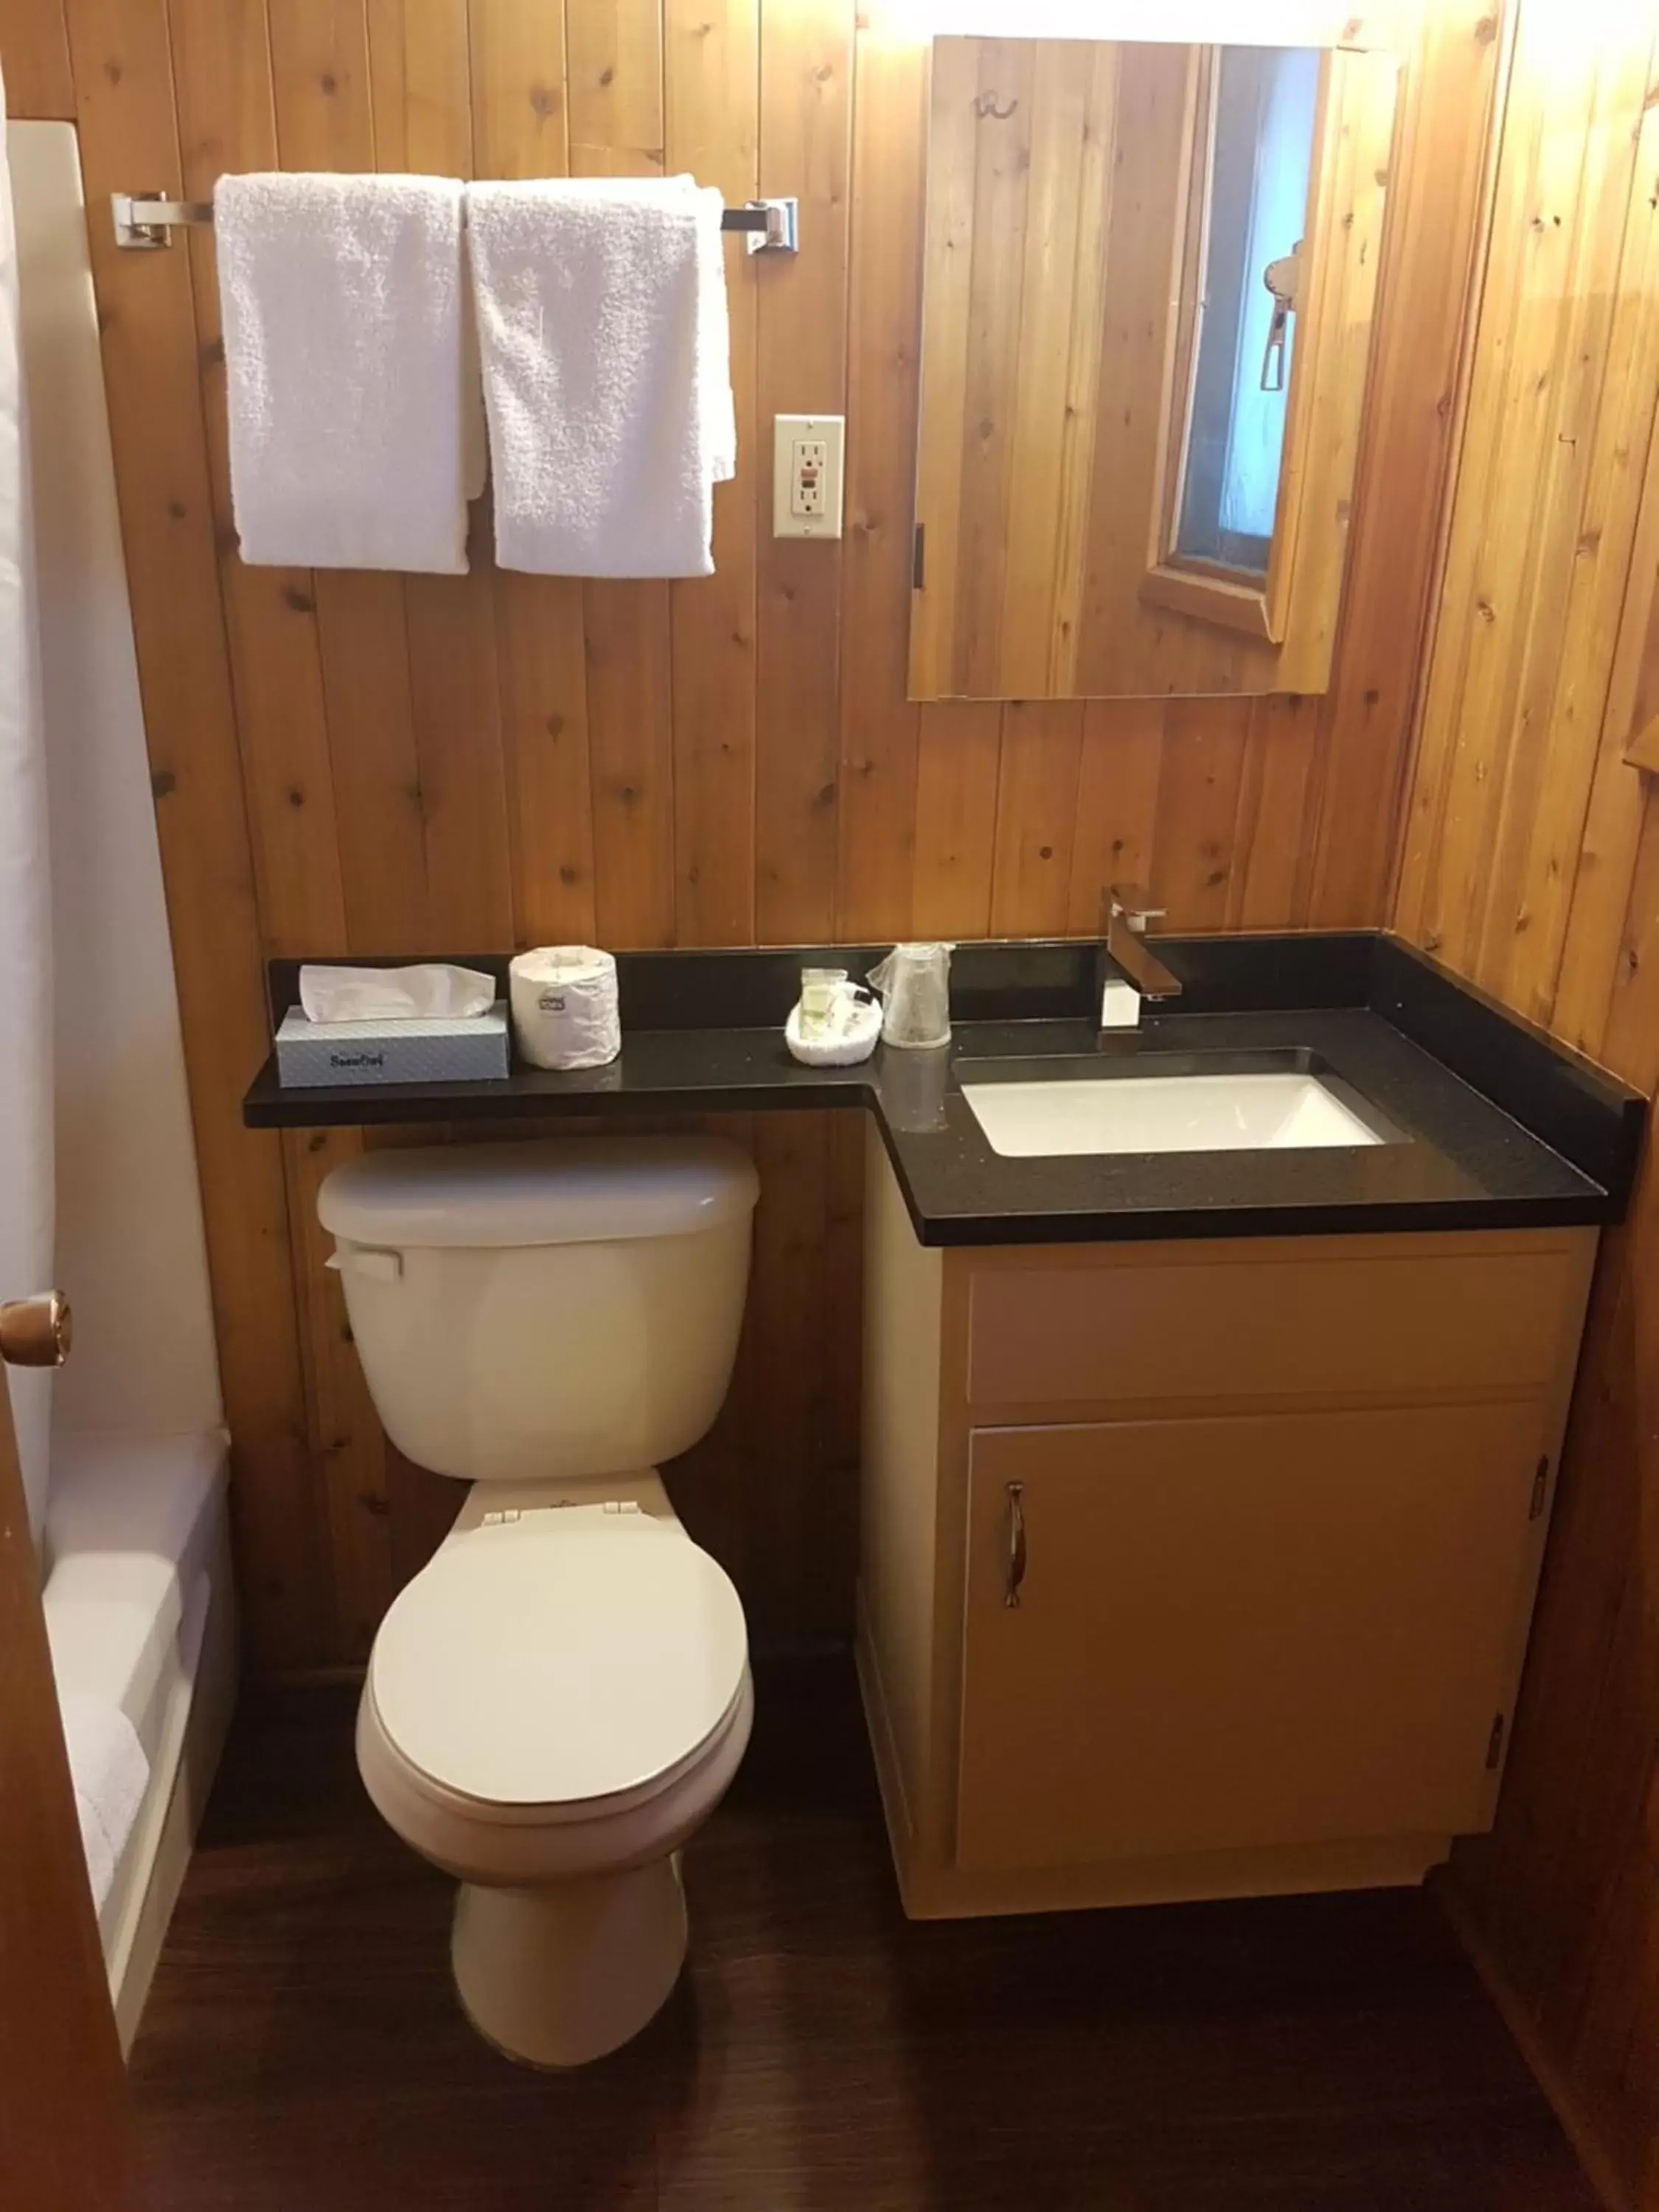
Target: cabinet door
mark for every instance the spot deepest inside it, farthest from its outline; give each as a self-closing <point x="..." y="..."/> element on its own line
<point x="1278" y="1629"/>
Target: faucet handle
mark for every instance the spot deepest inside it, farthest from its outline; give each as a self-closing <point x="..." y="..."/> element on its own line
<point x="1133" y="902"/>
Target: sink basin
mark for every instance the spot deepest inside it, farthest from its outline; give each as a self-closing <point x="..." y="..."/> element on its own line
<point x="1278" y="1111"/>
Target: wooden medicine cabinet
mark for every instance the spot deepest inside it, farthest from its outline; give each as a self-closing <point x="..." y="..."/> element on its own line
<point x="1150" y="289"/>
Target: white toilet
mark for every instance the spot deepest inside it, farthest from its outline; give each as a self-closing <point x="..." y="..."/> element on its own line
<point x="558" y="1701"/>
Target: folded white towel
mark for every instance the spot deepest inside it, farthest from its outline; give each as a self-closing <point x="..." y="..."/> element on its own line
<point x="474" y="429"/>
<point x="110" y="1775"/>
<point x="343" y="302"/>
<point x="714" y="369"/>
<point x="606" y="350"/>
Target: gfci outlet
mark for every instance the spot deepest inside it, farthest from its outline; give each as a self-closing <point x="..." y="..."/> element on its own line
<point x="807" y="474"/>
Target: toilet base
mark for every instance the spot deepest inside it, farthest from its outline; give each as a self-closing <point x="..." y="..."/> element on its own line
<point x="561" y="1975"/>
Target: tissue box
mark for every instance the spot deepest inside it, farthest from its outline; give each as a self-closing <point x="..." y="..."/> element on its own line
<point x="310" y="1054"/>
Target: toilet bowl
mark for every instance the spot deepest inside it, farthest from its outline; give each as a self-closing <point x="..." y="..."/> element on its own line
<point x="559" y="1700"/>
<point x="552" y="1708"/>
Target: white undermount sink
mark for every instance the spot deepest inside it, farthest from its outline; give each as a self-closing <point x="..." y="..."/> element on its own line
<point x="1242" y="1113"/>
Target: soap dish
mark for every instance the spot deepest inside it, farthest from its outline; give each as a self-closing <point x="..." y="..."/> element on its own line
<point x="855" y="1042"/>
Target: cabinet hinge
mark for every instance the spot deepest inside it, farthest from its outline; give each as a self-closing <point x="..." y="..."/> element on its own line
<point x="1540" y="1483"/>
<point x="1495" y="1743"/>
<point x="919" y="557"/>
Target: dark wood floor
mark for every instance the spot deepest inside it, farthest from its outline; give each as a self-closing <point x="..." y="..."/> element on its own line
<point x="303" y="2051"/>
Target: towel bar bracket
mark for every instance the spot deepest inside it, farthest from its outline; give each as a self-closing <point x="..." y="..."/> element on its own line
<point x="777" y="229"/>
<point x="145" y="221"/>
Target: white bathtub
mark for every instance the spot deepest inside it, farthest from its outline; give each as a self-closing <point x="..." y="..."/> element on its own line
<point x="141" y="1617"/>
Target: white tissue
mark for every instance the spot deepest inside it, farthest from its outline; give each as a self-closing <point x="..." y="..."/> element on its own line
<point x="564" y="1006"/>
<point x="431" y="991"/>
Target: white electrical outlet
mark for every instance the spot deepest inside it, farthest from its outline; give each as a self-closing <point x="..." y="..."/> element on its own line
<point x="807" y="470"/>
<point x="809" y="459"/>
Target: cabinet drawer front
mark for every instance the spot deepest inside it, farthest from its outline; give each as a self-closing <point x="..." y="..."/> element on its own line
<point x="1309" y="1326"/>
<point x="1272" y="1629"/>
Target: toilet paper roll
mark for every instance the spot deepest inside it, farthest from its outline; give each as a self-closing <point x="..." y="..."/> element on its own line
<point x="564" y="1006"/>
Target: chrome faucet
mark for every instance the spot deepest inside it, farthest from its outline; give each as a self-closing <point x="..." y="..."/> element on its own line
<point x="1125" y="909"/>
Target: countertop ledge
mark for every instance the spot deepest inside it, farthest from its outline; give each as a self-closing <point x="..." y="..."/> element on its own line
<point x="1495" y="1126"/>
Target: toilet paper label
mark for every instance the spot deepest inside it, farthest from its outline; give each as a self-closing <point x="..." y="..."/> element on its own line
<point x="564" y="1006"/>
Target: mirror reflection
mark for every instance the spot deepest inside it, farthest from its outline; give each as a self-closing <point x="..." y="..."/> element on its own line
<point x="1150" y="283"/>
<point x="1254" y="153"/>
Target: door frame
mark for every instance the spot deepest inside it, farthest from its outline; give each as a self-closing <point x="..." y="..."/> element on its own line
<point x="64" y="2132"/>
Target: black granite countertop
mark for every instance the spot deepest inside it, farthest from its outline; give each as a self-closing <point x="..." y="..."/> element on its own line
<point x="1487" y="1123"/>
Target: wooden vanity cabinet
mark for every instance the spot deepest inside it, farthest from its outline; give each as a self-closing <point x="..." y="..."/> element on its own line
<point x="1200" y="1569"/>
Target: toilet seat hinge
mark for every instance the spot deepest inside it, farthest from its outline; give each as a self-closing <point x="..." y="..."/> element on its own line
<point x="504" y="1515"/>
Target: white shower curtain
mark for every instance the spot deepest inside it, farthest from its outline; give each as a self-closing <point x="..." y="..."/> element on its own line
<point x="25" y="1145"/>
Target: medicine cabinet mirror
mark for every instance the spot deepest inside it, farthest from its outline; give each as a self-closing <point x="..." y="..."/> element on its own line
<point x="1149" y="285"/>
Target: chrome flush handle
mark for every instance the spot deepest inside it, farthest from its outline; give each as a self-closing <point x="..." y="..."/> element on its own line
<point x="1015" y="1493"/>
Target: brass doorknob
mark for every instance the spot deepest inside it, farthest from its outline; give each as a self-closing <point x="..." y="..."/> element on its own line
<point x="36" y="1332"/>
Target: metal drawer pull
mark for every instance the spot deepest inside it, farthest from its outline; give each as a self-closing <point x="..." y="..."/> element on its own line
<point x="1016" y="1542"/>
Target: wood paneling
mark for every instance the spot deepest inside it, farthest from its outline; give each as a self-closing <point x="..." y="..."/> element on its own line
<point x="372" y="763"/>
<point x="712" y="77"/>
<point x="879" y="729"/>
<point x="1531" y="863"/>
<point x="805" y="148"/>
<point x="1439" y="195"/>
<point x="34" y="57"/>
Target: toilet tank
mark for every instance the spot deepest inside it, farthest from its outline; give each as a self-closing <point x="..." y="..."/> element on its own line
<point x="557" y="1309"/>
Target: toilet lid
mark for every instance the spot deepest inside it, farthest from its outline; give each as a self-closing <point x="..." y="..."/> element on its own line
<point x="567" y="1654"/>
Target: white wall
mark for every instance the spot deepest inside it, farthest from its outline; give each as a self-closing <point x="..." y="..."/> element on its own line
<point x="131" y="1254"/>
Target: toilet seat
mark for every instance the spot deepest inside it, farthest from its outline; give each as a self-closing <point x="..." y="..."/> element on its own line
<point x="525" y="1843"/>
<point x="559" y="1665"/>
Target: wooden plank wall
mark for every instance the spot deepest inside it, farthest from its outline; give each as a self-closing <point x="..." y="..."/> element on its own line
<point x="1530" y="862"/>
<point x="379" y="763"/>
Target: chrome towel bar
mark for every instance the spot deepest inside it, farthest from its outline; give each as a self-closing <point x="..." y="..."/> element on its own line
<point x="145" y="221"/>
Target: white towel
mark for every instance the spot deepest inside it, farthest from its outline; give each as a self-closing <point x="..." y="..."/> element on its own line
<point x="474" y="429"/>
<point x="343" y="302"/>
<point x="110" y="1775"/>
<point x="606" y="350"/>
<point x="714" y="369"/>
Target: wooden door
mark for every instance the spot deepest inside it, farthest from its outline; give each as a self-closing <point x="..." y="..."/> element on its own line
<point x="1238" y="1632"/>
<point x="63" y="2091"/>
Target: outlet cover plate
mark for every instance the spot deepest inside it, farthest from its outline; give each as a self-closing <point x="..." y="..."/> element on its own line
<point x="790" y="432"/>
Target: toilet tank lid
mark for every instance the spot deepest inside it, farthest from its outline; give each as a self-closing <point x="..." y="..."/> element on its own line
<point x="587" y="1190"/>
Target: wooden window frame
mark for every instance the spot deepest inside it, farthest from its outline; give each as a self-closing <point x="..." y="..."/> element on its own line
<point x="1239" y="599"/>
